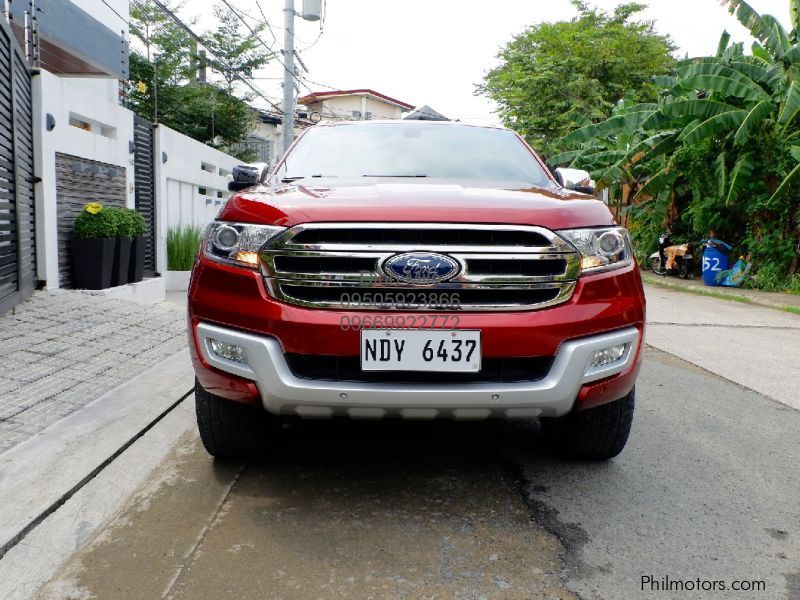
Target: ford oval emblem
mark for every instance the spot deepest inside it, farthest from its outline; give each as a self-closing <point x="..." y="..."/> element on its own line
<point x="421" y="268"/>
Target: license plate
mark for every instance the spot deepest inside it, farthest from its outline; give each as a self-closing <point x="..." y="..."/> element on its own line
<point x="421" y="350"/>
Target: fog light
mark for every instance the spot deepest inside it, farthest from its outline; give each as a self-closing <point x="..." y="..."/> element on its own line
<point x="606" y="356"/>
<point x="228" y="351"/>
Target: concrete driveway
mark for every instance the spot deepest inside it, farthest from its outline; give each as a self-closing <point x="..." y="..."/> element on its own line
<point x="704" y="495"/>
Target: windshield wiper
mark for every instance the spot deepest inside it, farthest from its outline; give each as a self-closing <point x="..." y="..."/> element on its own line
<point x="299" y="177"/>
<point x="394" y="175"/>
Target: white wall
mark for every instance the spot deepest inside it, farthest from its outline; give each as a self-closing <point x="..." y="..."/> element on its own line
<point x="189" y="169"/>
<point x="95" y="101"/>
<point x="342" y="107"/>
<point x="102" y="11"/>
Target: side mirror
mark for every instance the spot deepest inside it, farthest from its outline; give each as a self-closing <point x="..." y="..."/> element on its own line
<point x="245" y="176"/>
<point x="557" y="174"/>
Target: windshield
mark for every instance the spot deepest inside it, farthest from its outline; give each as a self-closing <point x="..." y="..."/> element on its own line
<point x="413" y="150"/>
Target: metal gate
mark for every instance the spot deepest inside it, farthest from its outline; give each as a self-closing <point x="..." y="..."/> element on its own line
<point x="17" y="230"/>
<point x="144" y="176"/>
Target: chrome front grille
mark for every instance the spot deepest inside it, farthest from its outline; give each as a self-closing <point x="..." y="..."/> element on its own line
<point x="339" y="266"/>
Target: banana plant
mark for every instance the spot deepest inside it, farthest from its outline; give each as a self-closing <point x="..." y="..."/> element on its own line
<point x="730" y="98"/>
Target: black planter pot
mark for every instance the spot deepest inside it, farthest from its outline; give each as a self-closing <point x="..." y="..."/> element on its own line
<point x="136" y="269"/>
<point x="93" y="262"/>
<point x="122" y="262"/>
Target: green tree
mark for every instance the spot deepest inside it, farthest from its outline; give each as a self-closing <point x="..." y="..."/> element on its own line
<point x="553" y="74"/>
<point x="730" y="125"/>
<point x="164" y="79"/>
<point x="163" y="40"/>
<point x="238" y="51"/>
<point x="203" y="111"/>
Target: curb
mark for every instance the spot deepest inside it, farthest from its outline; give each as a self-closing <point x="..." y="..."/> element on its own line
<point x="727" y="294"/>
<point x="39" y="475"/>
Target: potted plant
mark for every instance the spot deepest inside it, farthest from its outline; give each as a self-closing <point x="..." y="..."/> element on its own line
<point x="136" y="269"/>
<point x="122" y="254"/>
<point x="93" y="243"/>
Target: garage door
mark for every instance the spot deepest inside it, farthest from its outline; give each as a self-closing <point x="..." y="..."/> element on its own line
<point x="79" y="181"/>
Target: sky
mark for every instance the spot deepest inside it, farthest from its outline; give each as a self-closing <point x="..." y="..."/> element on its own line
<point x="435" y="51"/>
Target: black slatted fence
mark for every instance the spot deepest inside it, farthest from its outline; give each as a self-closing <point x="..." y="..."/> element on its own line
<point x="17" y="227"/>
<point x="144" y="166"/>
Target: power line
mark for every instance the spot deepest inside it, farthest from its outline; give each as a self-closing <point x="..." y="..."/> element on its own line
<point x="255" y="35"/>
<point x="208" y="46"/>
<point x="277" y="57"/>
<point x="263" y="16"/>
<point x="124" y="20"/>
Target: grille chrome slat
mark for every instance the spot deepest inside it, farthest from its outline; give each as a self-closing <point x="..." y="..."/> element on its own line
<point x="491" y="278"/>
<point x="420" y="235"/>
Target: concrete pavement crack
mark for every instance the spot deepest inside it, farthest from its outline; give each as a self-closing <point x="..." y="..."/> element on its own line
<point x="215" y="516"/>
<point x="570" y="535"/>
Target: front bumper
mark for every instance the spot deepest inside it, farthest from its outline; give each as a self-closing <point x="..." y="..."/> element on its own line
<point x="283" y="393"/>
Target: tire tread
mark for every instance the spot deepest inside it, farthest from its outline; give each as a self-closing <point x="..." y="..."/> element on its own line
<point x="230" y="430"/>
<point x="599" y="433"/>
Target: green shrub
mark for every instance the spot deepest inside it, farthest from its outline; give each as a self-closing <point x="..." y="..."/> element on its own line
<point x="124" y="221"/>
<point x="95" y="221"/>
<point x="183" y="244"/>
<point x="138" y="223"/>
<point x="772" y="277"/>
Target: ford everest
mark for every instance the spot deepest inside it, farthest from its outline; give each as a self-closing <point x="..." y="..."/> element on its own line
<point x="416" y="270"/>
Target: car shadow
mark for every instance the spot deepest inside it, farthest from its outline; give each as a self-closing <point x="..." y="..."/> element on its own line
<point x="435" y="506"/>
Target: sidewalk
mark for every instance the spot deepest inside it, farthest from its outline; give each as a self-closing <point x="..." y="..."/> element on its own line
<point x="787" y="302"/>
<point x="65" y="348"/>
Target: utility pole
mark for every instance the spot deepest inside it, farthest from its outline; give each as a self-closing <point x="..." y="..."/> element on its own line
<point x="312" y="11"/>
<point x="288" y="74"/>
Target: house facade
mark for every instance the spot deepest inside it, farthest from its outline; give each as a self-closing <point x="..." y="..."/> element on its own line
<point x="353" y="105"/>
<point x="66" y="139"/>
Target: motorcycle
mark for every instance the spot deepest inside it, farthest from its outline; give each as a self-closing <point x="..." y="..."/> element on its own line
<point x="681" y="254"/>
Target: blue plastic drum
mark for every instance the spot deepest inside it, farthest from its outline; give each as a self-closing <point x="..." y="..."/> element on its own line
<point x="714" y="262"/>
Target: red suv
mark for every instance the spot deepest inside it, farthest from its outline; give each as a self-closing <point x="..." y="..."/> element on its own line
<point x="415" y="270"/>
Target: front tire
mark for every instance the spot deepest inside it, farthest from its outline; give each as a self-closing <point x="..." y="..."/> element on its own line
<point x="598" y="433"/>
<point x="655" y="266"/>
<point x="231" y="430"/>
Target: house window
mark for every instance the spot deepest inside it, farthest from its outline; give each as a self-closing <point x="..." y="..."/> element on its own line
<point x="92" y="126"/>
<point x="76" y="122"/>
<point x="356" y="114"/>
<point x="368" y="116"/>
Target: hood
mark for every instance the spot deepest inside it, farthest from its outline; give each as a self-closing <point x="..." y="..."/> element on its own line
<point x="415" y="201"/>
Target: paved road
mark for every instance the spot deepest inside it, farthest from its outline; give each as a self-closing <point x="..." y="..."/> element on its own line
<point x="707" y="489"/>
<point x="754" y="346"/>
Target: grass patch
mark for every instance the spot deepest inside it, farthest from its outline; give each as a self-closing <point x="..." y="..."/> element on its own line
<point x="183" y="243"/>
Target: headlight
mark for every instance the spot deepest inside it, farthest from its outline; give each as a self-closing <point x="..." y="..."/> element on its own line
<point x="601" y="249"/>
<point x="237" y="243"/>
